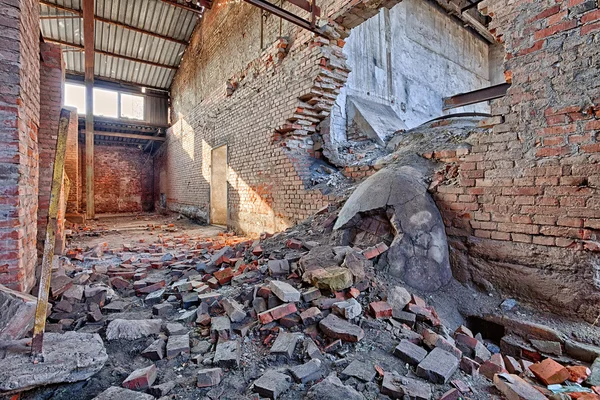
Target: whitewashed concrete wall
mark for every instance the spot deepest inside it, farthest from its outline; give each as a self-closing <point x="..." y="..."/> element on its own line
<point x="411" y="57"/>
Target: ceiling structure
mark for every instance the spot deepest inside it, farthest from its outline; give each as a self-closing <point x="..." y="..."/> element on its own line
<point x="136" y="41"/>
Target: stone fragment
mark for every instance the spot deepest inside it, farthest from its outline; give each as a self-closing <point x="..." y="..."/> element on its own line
<point x="186" y="316"/>
<point x="400" y="387"/>
<point x="161" y="310"/>
<point x="162" y="389"/>
<point x="438" y="366"/>
<point x="380" y="309"/>
<point x="594" y="379"/>
<point x="398" y="297"/>
<point x="311" y="316"/>
<point x="285" y="344"/>
<point x="68" y="357"/>
<point x="284" y="291"/>
<point x="119" y="393"/>
<point x="550" y="372"/>
<point x="311" y="349"/>
<point x="94" y="314"/>
<point x="311" y="294"/>
<point x="259" y="304"/>
<point x="469" y="366"/>
<point x="307" y="372"/>
<point x="175" y="329"/>
<point x="154" y="297"/>
<point x="59" y="285"/>
<point x="489" y="369"/>
<point x="178" y="344"/>
<point x="515" y="388"/>
<point x="278" y="267"/>
<point x="348" y="309"/>
<point x="512" y="365"/>
<point x="405" y="317"/>
<point x="74" y="294"/>
<point x="189" y="300"/>
<point x="357" y="264"/>
<point x="583" y="352"/>
<point x="156" y="351"/>
<point x="272" y="384"/>
<point x="333" y="279"/>
<point x="337" y="328"/>
<point x="220" y="327"/>
<point x="360" y="370"/>
<point x="409" y="352"/>
<point x="234" y="310"/>
<point x="209" y="377"/>
<point x="432" y="339"/>
<point x="227" y="354"/>
<point x="547" y="347"/>
<point x="140" y="379"/>
<point x="332" y="388"/>
<point x="132" y="329"/>
<point x="452" y="394"/>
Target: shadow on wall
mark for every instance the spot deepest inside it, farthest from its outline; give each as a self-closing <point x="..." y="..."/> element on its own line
<point x="187" y="191"/>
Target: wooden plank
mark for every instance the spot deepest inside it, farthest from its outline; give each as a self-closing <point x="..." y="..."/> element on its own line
<point x="88" y="39"/>
<point x="49" y="244"/>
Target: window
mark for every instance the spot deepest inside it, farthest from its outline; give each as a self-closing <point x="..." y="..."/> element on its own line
<point x="106" y="103"/>
<point x="75" y="97"/>
<point x="132" y="106"/>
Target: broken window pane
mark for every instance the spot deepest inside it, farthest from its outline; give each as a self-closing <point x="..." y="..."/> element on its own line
<point x="132" y="106"/>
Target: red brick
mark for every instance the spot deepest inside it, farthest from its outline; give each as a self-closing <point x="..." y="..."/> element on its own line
<point x="380" y="309"/>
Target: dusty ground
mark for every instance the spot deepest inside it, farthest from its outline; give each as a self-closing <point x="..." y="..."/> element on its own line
<point x="453" y="304"/>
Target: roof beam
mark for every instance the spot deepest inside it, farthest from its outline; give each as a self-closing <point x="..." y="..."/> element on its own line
<point x="109" y="21"/>
<point x="129" y="136"/>
<point x="108" y="53"/>
<point x="285" y="14"/>
<point x="190" y="7"/>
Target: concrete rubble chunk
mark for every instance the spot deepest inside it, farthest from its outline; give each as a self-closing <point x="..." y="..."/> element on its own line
<point x="119" y="393"/>
<point x="227" y="354"/>
<point x="18" y="313"/>
<point x="515" y="388"/>
<point x="141" y="379"/>
<point x="547" y="347"/>
<point x="357" y="264"/>
<point x="178" y="344"/>
<point x="360" y="370"/>
<point x="582" y="352"/>
<point x="209" y="377"/>
<point x="402" y="387"/>
<point x="175" y="329"/>
<point x="234" y="310"/>
<point x="307" y="372"/>
<point x="285" y="344"/>
<point x="220" y="327"/>
<point x="163" y="389"/>
<point x="594" y="378"/>
<point x="332" y="388"/>
<point x="337" y="328"/>
<point x="272" y="384"/>
<point x="333" y="279"/>
<point x="284" y="291"/>
<point x="156" y="350"/>
<point x="438" y="366"/>
<point x="409" y="352"/>
<point x="132" y="329"/>
<point x="348" y="309"/>
<point x="398" y="297"/>
<point x="68" y="357"/>
<point x="278" y="267"/>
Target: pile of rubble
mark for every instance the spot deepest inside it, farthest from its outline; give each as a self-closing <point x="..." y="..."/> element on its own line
<point x="290" y="316"/>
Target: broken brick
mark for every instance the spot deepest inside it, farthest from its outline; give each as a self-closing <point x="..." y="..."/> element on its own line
<point x="381" y="309"/>
<point x="141" y="379"/>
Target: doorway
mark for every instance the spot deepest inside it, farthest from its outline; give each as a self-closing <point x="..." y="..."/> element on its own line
<point x="218" y="186"/>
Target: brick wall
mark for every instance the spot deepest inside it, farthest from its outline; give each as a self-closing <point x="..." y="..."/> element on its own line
<point x="264" y="103"/>
<point x="523" y="215"/>
<point x="19" y="121"/>
<point x="51" y="99"/>
<point x="123" y="179"/>
<point x="72" y="167"/>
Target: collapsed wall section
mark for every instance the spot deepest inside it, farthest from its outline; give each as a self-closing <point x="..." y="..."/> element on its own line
<point x="19" y="122"/>
<point x="521" y="204"/>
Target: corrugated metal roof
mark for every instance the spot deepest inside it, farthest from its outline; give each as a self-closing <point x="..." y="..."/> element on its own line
<point x="151" y="15"/>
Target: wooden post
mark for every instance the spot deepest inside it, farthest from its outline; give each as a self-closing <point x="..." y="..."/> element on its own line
<point x="50" y="243"/>
<point x="88" y="41"/>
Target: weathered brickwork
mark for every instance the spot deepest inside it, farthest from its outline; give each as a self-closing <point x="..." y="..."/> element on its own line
<point x="522" y="207"/>
<point x="19" y="121"/>
<point x="265" y="105"/>
<point x="72" y="166"/>
<point x="51" y="99"/>
<point x="123" y="179"/>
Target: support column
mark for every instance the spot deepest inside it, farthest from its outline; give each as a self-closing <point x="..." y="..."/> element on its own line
<point x="88" y="40"/>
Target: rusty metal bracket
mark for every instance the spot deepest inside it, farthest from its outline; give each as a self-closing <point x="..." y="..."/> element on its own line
<point x="476" y="96"/>
<point x="49" y="244"/>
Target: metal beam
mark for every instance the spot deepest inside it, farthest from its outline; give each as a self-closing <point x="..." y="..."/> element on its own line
<point x="285" y="14"/>
<point x="128" y="136"/>
<point x="476" y="96"/>
<point x="194" y="9"/>
<point x="307" y="6"/>
<point x="108" y="53"/>
<point x="50" y="243"/>
<point x="122" y="85"/>
<point x="88" y="38"/>
<point x="109" y="21"/>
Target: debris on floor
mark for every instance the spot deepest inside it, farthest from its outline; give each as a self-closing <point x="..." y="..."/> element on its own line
<point x="289" y="316"/>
